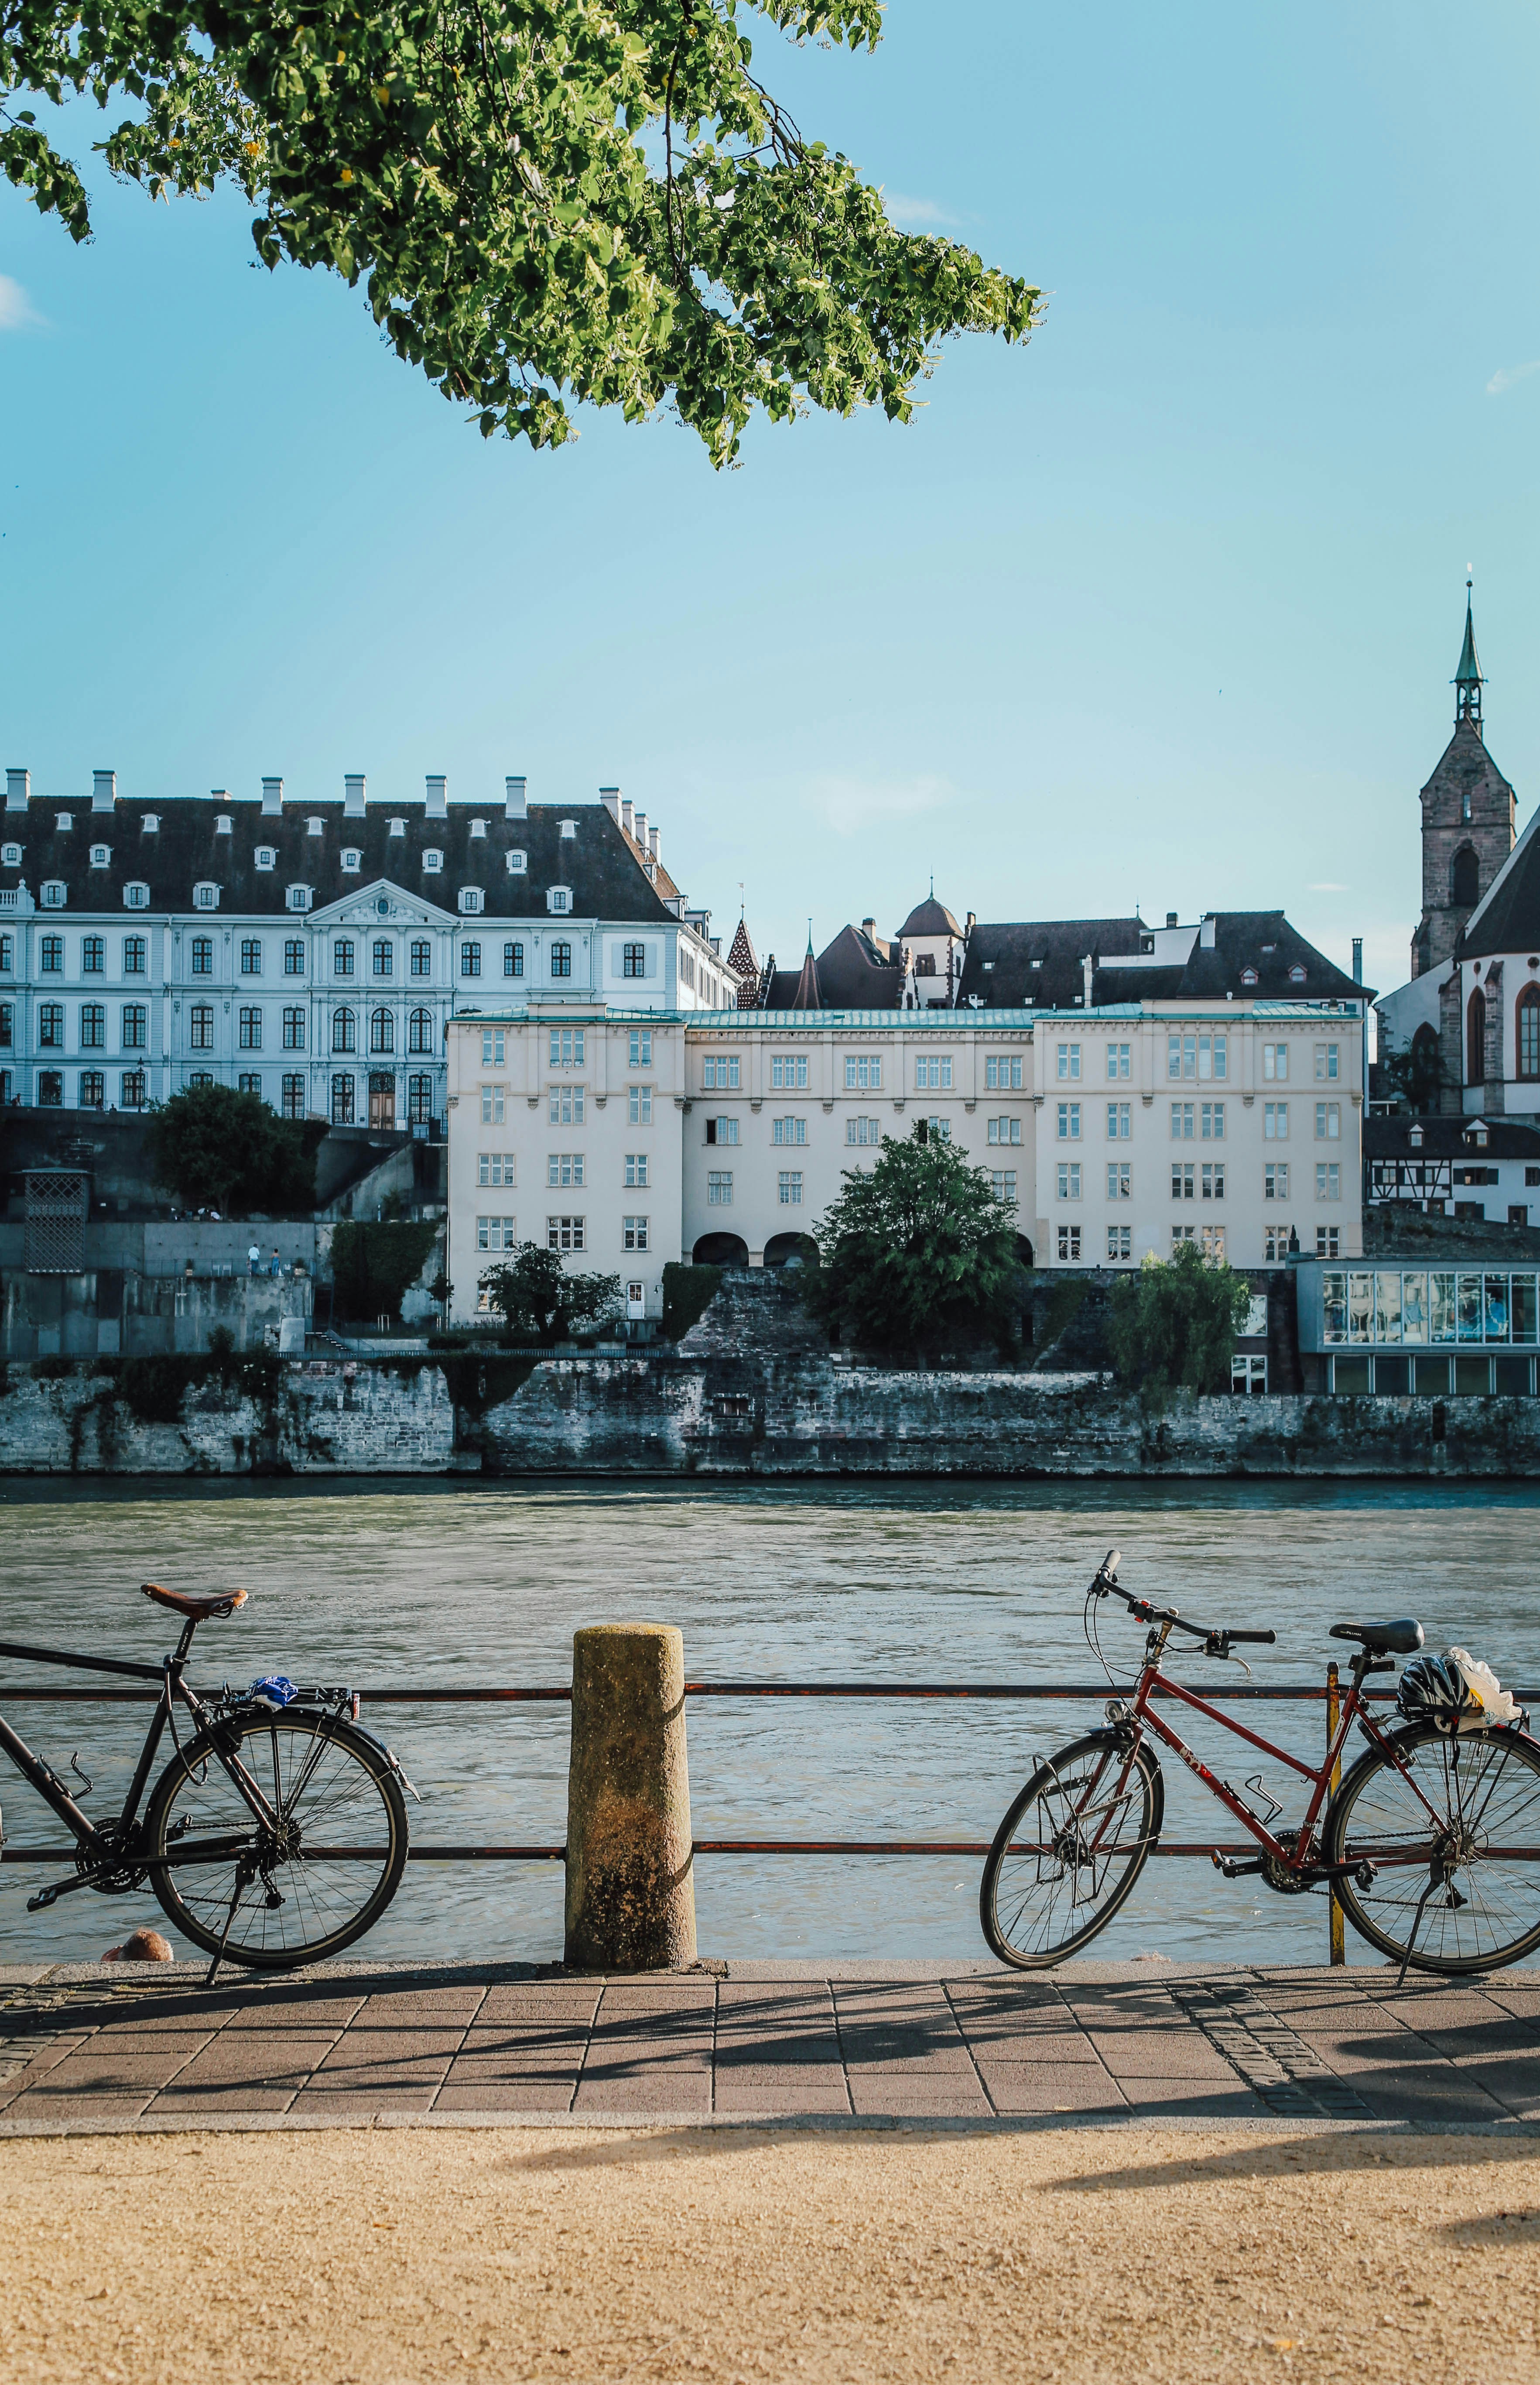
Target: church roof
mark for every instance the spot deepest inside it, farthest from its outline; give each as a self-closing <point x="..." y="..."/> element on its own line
<point x="930" y="919"/>
<point x="1506" y="920"/>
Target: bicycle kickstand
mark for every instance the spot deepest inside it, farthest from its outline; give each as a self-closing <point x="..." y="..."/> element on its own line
<point x="1435" y="1881"/>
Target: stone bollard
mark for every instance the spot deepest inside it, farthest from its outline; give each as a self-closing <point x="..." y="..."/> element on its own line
<point x="630" y="1891"/>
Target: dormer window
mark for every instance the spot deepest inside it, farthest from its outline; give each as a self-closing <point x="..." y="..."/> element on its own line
<point x="101" y="856"/>
<point x="472" y="899"/>
<point x="315" y="826"/>
<point x="266" y="856"/>
<point x="1415" y="1137"/>
<point x="150" y="824"/>
<point x="479" y="828"/>
<point x="63" y="820"/>
<point x="1270" y="948"/>
<point x="433" y="859"/>
<point x="569" y="828"/>
<point x="224" y="825"/>
<point x="1147" y="944"/>
<point x="1248" y="976"/>
<point x="558" y="898"/>
<point x="299" y="898"/>
<point x="518" y="863"/>
<point x="1478" y="1136"/>
<point x="1296" y="975"/>
<point x="352" y="860"/>
<point x="136" y="895"/>
<point x="205" y="895"/>
<point x="53" y="894"/>
<point x="398" y="828"/>
<point x="10" y="857"/>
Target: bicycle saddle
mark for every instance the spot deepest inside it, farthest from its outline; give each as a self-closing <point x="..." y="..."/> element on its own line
<point x="1383" y="1638"/>
<point x="199" y="1609"/>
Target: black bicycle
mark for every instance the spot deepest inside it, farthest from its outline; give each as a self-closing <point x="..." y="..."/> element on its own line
<point x="277" y="1833"/>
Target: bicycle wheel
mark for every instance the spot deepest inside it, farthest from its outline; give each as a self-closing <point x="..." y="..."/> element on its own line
<point x="1069" y="1850"/>
<point x="295" y="1891"/>
<point x="1444" y="1836"/>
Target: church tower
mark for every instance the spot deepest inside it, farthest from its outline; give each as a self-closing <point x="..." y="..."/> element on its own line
<point x="1468" y="822"/>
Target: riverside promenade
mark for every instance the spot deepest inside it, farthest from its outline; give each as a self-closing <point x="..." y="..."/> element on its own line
<point x="148" y="2048"/>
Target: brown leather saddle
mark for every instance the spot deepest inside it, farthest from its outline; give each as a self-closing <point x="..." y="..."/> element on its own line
<point x="199" y="1610"/>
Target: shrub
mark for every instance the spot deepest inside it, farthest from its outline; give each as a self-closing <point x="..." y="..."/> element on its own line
<point x="374" y="1266"/>
<point x="540" y="1302"/>
<point x="1175" y="1324"/>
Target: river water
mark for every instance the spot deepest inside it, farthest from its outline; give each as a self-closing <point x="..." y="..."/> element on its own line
<point x="434" y="1583"/>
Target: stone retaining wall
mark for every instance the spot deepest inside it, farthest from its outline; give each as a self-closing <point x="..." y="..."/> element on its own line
<point x="322" y="1419"/>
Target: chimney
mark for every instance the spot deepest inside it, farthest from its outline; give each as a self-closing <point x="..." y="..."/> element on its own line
<point x="1171" y="918"/>
<point x="19" y="787"/>
<point x="610" y="798"/>
<point x="1358" y="960"/>
<point x="626" y="817"/>
<point x="869" y="929"/>
<point x="515" y="804"/>
<point x="104" y="789"/>
<point x="272" y="797"/>
<point x="654" y="840"/>
<point x="438" y="799"/>
<point x="1087" y="964"/>
<point x="638" y="829"/>
<point x="970" y="923"/>
<point x="1206" y="934"/>
<point x="352" y="799"/>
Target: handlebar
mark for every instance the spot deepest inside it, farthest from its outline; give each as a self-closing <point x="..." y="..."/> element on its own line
<point x="1216" y="1640"/>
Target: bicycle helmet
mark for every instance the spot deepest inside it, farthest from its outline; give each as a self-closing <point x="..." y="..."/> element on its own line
<point x="1434" y="1689"/>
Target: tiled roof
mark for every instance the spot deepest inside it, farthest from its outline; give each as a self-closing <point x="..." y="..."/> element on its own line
<point x="1040" y="963"/>
<point x="1450" y="1138"/>
<point x="999" y="968"/>
<point x="930" y="919"/>
<point x="1506" y="920"/>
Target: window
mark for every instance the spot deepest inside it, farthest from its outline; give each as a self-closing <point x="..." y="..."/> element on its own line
<point x="1274" y="1062"/>
<point x="51" y="956"/>
<point x="1120" y="1181"/>
<point x="93" y="1026"/>
<point x="1194" y="1056"/>
<point x="1527" y="1038"/>
<point x="1275" y="1121"/>
<point x="1214" y="1121"/>
<point x="561" y="960"/>
<point x="1120" y="1123"/>
<point x="267" y="859"/>
<point x="1069" y="1179"/>
<point x="205" y="896"/>
<point x="564" y="1168"/>
<point x="420" y="1031"/>
<point x="247" y="1085"/>
<point x="636" y="1169"/>
<point x="1069" y="1243"/>
<point x="472" y="900"/>
<point x="384" y="957"/>
<point x="383" y="1030"/>
<point x="863" y="1074"/>
<point x="470" y="960"/>
<point x="344" y="954"/>
<point x="513" y="960"/>
<point x="567" y="1047"/>
<point x="422" y="956"/>
<point x="1275" y="1180"/>
<point x="719" y="1188"/>
<point x="518" y="863"/>
<point x="136" y="1026"/>
<point x="789" y="1072"/>
<point x="568" y="1104"/>
<point x="559" y="898"/>
<point x="341" y="1101"/>
<point x="8" y="951"/>
<point x="1004" y="1181"/>
<point x="1180" y="1234"/>
<point x="1182" y="1118"/>
<point x="251" y="957"/>
<point x="717" y="1075"/>
<point x="420" y="1100"/>
<point x="1120" y="1058"/>
<point x="479" y="828"/>
<point x="1120" y="1242"/>
<point x="136" y="895"/>
<point x="1275" y="1241"/>
<point x="93" y="1088"/>
<point x="938" y="1130"/>
<point x="202" y="956"/>
<point x="1328" y="1180"/>
<point x="864" y="1131"/>
<point x="8" y="1026"/>
<point x="1069" y="1062"/>
<point x="1326" y="1057"/>
<point x="1328" y="1122"/>
<point x="293" y="1029"/>
<point x="1213" y="1185"/>
<point x="494" y="1168"/>
<point x="251" y="1030"/>
<point x="50" y="1089"/>
<point x="1005" y="1129"/>
<point x="292" y="1098"/>
<point x="132" y="1091"/>
<point x="352" y="860"/>
<point x="1327" y="1241"/>
<point x="200" y="1025"/>
<point x="1068" y="1122"/>
<point x="789" y="1186"/>
<point x="1475" y="1039"/>
<point x="136" y="956"/>
<point x="93" y="955"/>
<point x="788" y="1129"/>
<point x="563" y="1234"/>
<point x="50" y="1025"/>
<point x="634" y="1234"/>
<point x="1002" y="1073"/>
<point x="344" y="1031"/>
<point x="1182" y="1180"/>
<point x="299" y="898"/>
<point x="496" y="1233"/>
<point x="932" y="1073"/>
<point x="633" y="960"/>
<point x="1214" y="1243"/>
<point x="640" y="1101"/>
<point x="687" y="968"/>
<point x="432" y="860"/>
<point x="491" y="1104"/>
<point x="642" y="1054"/>
<point x="55" y="895"/>
<point x="494" y="1044"/>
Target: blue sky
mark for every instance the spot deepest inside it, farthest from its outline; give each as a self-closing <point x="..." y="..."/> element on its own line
<point x="1163" y="607"/>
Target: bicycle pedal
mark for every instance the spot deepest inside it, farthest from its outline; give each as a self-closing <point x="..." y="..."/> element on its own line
<point x="45" y="1897"/>
<point x="1234" y="1868"/>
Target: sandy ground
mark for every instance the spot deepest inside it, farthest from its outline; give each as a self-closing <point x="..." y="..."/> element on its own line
<point x="389" y="2257"/>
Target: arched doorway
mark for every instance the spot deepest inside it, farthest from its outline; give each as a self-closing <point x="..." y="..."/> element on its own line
<point x="1024" y="1252"/>
<point x="1475" y="1039"/>
<point x="721" y="1250"/>
<point x="790" y="1250"/>
<point x="1465" y="878"/>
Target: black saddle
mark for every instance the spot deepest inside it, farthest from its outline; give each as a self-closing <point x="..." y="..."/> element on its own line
<point x="1383" y="1638"/>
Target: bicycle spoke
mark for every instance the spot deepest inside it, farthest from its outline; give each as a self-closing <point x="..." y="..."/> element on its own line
<point x="1067" y="1853"/>
<point x="1483" y="1907"/>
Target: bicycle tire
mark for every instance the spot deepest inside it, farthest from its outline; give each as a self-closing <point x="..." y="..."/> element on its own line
<point x="322" y="1774"/>
<point x="1494" y="1788"/>
<point x="1019" y="1877"/>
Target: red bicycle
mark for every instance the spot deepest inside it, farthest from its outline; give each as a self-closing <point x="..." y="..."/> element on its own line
<point x="1429" y="1844"/>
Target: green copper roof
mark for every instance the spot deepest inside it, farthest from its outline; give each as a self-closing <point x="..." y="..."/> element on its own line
<point x="1469" y="669"/>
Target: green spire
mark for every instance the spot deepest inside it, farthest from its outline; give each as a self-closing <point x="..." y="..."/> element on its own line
<point x="1468" y="678"/>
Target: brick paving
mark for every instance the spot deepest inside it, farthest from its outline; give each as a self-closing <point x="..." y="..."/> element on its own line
<point x="87" y="2046"/>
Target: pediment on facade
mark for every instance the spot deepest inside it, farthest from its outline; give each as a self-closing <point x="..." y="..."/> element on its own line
<point x="382" y="904"/>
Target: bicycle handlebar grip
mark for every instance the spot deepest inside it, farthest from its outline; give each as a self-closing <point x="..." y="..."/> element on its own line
<point x="1260" y="1639"/>
<point x="1110" y="1563"/>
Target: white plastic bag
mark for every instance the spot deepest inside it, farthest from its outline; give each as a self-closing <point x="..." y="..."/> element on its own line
<point x="1493" y="1706"/>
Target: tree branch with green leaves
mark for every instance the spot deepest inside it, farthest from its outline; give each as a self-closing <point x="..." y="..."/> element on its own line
<point x="547" y="201"/>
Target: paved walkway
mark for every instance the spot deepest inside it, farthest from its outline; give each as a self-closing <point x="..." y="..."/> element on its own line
<point x="357" y="2044"/>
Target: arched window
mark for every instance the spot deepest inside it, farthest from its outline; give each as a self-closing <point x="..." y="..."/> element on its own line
<point x="420" y="1031"/>
<point x="1465" y="878"/>
<point x="1475" y="1039"/>
<point x="1425" y="1069"/>
<point x="382" y="1031"/>
<point x="1526" y="1039"/>
<point x="344" y="1031"/>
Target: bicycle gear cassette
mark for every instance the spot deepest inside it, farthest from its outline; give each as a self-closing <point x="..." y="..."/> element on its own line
<point x="1278" y="1875"/>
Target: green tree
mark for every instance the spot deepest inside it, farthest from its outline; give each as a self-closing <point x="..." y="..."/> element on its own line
<point x="1175" y="1324"/>
<point x="915" y="1250"/>
<point x="216" y="1148"/>
<point x="373" y="1266"/>
<point x="545" y="200"/>
<point x="538" y="1301"/>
